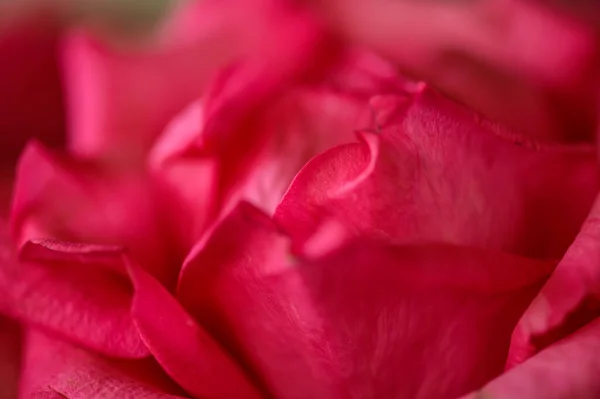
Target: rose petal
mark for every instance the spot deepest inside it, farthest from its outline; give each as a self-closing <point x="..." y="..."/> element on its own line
<point x="299" y="125"/>
<point x="119" y="102"/>
<point x="246" y="241"/>
<point x="192" y="357"/>
<point x="187" y="180"/>
<point x="80" y="295"/>
<point x="68" y="199"/>
<point x="437" y="173"/>
<point x="570" y="298"/>
<point x="304" y="123"/>
<point x="235" y="109"/>
<point x="367" y="321"/>
<point x="503" y="58"/>
<point x="54" y="369"/>
<point x="10" y="358"/>
<point x="567" y="369"/>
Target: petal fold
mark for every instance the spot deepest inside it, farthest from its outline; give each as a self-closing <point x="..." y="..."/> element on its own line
<point x="182" y="347"/>
<point x="80" y="295"/>
<point x="438" y="172"/>
<point x="566" y="369"/>
<point x="570" y="298"/>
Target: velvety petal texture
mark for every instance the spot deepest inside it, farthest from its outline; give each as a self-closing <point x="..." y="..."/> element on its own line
<point x="77" y="292"/>
<point x="369" y="320"/>
<point x="53" y="369"/>
<point x="358" y="199"/>
<point x="430" y="170"/>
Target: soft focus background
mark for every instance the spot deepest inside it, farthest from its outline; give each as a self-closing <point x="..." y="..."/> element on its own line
<point x="533" y="65"/>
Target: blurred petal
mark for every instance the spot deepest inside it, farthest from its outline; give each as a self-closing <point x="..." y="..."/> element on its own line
<point x="368" y="321"/>
<point x="567" y="369"/>
<point x="120" y="101"/>
<point x="54" y="369"/>
<point x="517" y="62"/>
<point x="570" y="298"/>
<point x="437" y="172"/>
<point x="363" y="73"/>
<point x="10" y="358"/>
<point x="192" y="357"/>
<point x="31" y="100"/>
<point x="79" y="293"/>
<point x="67" y="199"/>
<point x="187" y="180"/>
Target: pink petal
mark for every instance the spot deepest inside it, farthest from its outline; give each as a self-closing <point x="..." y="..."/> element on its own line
<point x="544" y="45"/>
<point x="80" y="294"/>
<point x="437" y="172"/>
<point x="187" y="180"/>
<point x="68" y="199"/>
<point x="10" y="358"/>
<point x="54" y="369"/>
<point x="570" y="298"/>
<point x="368" y="321"/>
<point x="567" y="369"/>
<point x="120" y="101"/>
<point x="185" y="351"/>
<point x="363" y="73"/>
<point x="302" y="123"/>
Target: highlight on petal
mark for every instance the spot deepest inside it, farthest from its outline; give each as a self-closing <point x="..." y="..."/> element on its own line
<point x="570" y="298"/>
<point x="191" y="357"/>
<point x="69" y="199"/>
<point x="367" y="320"/>
<point x="304" y="123"/>
<point x="437" y="172"/>
<point x="301" y="124"/>
<point x="80" y="294"/>
<point x="55" y="369"/>
<point x="566" y="369"/>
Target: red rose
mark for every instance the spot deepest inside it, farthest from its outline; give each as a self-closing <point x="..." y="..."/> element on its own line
<point x="257" y="204"/>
